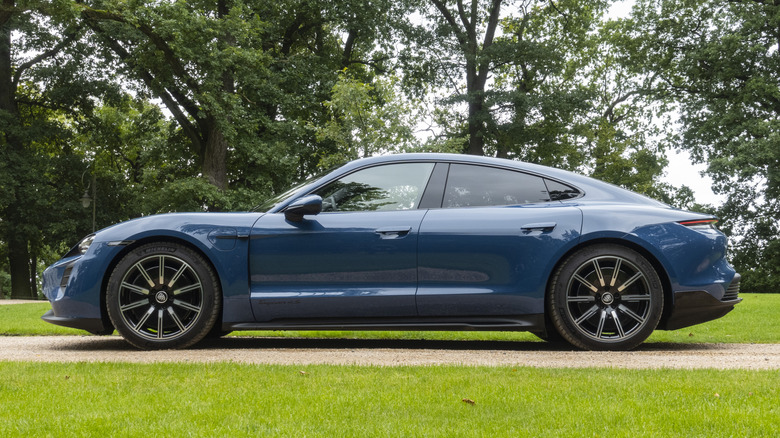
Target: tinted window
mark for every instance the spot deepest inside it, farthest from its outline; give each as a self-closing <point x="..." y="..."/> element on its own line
<point x="559" y="192"/>
<point x="387" y="187"/>
<point x="472" y="186"/>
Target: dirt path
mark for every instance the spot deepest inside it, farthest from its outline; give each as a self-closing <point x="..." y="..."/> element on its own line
<point x="21" y="301"/>
<point x="391" y="353"/>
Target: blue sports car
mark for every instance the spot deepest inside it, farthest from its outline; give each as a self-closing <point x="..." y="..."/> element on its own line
<point x="406" y="242"/>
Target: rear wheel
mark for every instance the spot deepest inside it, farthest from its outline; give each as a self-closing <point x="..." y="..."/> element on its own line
<point x="162" y="296"/>
<point x="605" y="297"/>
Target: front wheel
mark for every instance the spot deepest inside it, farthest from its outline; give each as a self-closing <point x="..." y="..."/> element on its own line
<point x="605" y="297"/>
<point x="163" y="296"/>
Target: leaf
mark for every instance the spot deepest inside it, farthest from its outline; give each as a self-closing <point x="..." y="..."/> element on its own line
<point x="469" y="401"/>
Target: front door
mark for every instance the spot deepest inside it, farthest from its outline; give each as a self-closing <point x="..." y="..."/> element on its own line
<point x="356" y="259"/>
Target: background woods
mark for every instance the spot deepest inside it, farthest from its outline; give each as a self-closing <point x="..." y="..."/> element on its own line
<point x="140" y="107"/>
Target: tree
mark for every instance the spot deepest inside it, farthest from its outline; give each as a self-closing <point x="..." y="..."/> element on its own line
<point x="544" y="84"/>
<point x="187" y="54"/>
<point x="460" y="38"/>
<point x="243" y="79"/>
<point x="366" y="120"/>
<point x="45" y="82"/>
<point x="721" y="62"/>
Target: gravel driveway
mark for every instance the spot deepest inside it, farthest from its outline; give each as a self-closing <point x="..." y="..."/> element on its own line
<point x="391" y="353"/>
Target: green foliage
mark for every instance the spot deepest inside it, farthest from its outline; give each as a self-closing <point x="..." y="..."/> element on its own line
<point x="258" y="95"/>
<point x="366" y="120"/>
<point x="47" y="84"/>
<point x="719" y="62"/>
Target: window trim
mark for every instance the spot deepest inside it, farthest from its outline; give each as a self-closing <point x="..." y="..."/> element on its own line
<point x="441" y="188"/>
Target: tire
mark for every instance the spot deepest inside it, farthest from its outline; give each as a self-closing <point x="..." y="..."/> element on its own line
<point x="605" y="297"/>
<point x="163" y="296"/>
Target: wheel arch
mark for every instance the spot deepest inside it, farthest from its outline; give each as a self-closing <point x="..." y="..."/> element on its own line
<point x="138" y="243"/>
<point x="657" y="265"/>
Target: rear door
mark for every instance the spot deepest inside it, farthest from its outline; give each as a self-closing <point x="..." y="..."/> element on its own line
<point x="489" y="250"/>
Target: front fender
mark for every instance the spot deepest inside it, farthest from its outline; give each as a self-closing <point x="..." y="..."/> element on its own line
<point x="74" y="285"/>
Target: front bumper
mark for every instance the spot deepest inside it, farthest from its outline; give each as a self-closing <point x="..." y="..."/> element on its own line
<point x="92" y="325"/>
<point x="74" y="294"/>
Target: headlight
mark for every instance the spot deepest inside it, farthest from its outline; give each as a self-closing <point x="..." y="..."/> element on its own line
<point x="83" y="246"/>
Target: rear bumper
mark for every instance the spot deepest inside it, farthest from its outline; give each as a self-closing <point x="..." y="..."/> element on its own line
<point x="696" y="307"/>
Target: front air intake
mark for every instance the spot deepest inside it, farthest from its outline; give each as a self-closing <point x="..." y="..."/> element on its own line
<point x="732" y="293"/>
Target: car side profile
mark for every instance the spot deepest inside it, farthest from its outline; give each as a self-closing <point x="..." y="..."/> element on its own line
<point x="406" y="242"/>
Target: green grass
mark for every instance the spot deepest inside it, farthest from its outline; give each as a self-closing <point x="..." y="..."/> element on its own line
<point x="25" y="320"/>
<point x="749" y="322"/>
<point x="227" y="399"/>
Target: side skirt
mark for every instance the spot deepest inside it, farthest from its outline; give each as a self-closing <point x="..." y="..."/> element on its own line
<point x="530" y="323"/>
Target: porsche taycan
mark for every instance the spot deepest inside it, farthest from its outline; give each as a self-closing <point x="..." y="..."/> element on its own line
<point x="406" y="242"/>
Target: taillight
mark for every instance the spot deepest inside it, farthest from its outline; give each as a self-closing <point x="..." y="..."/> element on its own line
<point x="700" y="223"/>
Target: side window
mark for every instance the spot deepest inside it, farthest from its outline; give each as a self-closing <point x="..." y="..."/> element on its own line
<point x="560" y="192"/>
<point x="380" y="188"/>
<point x="473" y="186"/>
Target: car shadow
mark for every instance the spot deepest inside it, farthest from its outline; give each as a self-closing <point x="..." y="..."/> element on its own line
<point x="239" y="343"/>
<point x="116" y="343"/>
<point x="371" y="344"/>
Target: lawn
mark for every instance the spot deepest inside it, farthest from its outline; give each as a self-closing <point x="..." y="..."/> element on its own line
<point x="749" y="322"/>
<point x="228" y="399"/>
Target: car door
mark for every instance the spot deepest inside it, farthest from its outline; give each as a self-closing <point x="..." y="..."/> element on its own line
<point x="355" y="259"/>
<point x="489" y="250"/>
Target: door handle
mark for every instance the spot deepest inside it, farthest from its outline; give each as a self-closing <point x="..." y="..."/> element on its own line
<point x="541" y="226"/>
<point x="393" y="232"/>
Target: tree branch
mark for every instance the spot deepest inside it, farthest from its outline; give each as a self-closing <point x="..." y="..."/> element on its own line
<point x="168" y="100"/>
<point x="490" y="32"/>
<point x="462" y="39"/>
<point x="171" y="59"/>
<point x="47" y="54"/>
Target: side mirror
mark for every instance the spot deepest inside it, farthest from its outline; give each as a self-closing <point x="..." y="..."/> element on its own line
<point x="308" y="205"/>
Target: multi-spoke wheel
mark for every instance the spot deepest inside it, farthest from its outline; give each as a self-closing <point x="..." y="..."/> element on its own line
<point x="605" y="297"/>
<point x="163" y="295"/>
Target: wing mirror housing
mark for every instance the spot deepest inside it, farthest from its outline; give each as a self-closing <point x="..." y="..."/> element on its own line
<point x="306" y="206"/>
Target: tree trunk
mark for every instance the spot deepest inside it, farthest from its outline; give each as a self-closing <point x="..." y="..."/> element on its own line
<point x="18" y="251"/>
<point x="19" y="263"/>
<point x="7" y="89"/>
<point x="476" y="122"/>
<point x="214" y="156"/>
<point x="475" y="90"/>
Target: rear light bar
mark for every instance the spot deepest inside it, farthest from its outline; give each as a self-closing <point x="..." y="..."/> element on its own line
<point x="699" y="222"/>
